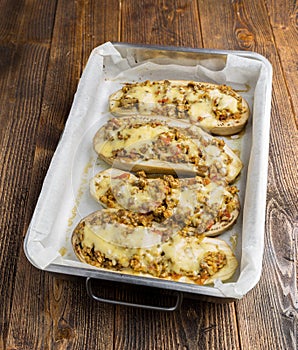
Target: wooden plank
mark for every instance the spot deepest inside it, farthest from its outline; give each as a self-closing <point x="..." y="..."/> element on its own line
<point x="100" y="24"/>
<point x="14" y="29"/>
<point x="273" y="303"/>
<point x="11" y="12"/>
<point x="9" y="70"/>
<point x="23" y="60"/>
<point x="198" y="325"/>
<point x="64" y="69"/>
<point x="60" y="314"/>
<point x="56" y="313"/>
<point x="241" y="32"/>
<point x="161" y="22"/>
<point x="270" y="309"/>
<point x="283" y="19"/>
<point x="10" y="22"/>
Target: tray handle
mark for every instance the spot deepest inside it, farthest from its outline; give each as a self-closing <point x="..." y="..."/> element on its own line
<point x="124" y="303"/>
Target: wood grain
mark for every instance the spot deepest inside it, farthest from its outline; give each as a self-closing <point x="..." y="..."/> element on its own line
<point x="283" y="18"/>
<point x="160" y="22"/>
<point x="12" y="15"/>
<point x="197" y="326"/>
<point x="23" y="66"/>
<point x="101" y="23"/>
<point x="275" y="301"/>
<point x="64" y="70"/>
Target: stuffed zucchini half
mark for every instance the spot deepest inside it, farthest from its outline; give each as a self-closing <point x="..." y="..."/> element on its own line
<point x="204" y="206"/>
<point x="128" y="242"/>
<point x="161" y="146"/>
<point x="217" y="109"/>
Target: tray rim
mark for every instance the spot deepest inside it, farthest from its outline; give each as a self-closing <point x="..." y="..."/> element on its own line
<point x="145" y="280"/>
<point x="243" y="53"/>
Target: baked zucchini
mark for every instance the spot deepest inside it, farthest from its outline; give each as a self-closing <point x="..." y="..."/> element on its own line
<point x="103" y="239"/>
<point x="158" y="145"/>
<point x="217" y="109"/>
<point x="213" y="207"/>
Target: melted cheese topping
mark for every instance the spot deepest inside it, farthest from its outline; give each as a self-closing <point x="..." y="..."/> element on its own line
<point x="193" y="150"/>
<point x="201" y="103"/>
<point x="216" y="193"/>
<point x="201" y="259"/>
<point x="155" y="144"/>
<point x="121" y="235"/>
<point x="126" y="192"/>
<point x="141" y="201"/>
<point x="162" y="148"/>
<point x="99" y="185"/>
<point x="229" y="103"/>
<point x="184" y="254"/>
<point x="193" y="202"/>
<point x="114" y="252"/>
<point x="130" y="136"/>
<point x="200" y="109"/>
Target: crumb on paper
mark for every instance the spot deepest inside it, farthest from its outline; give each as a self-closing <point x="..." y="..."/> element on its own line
<point x="62" y="251"/>
<point x="233" y="240"/>
<point x="237" y="152"/>
<point x="247" y="88"/>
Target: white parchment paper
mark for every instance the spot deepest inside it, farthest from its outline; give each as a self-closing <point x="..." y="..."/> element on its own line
<point x="65" y="199"/>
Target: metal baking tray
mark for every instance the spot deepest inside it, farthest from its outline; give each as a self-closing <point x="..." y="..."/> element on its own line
<point x="64" y="198"/>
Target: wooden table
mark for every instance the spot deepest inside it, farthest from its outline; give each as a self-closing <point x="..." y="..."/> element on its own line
<point x="44" y="46"/>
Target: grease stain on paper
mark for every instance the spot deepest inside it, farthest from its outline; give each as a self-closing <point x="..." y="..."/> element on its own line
<point x="81" y="191"/>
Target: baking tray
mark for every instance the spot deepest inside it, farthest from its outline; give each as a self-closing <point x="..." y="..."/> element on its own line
<point x="65" y="199"/>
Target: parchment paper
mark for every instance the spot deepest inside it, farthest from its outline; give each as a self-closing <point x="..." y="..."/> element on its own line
<point x="65" y="199"/>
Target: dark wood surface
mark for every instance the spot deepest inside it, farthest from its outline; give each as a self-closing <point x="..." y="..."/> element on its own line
<point x="44" y="46"/>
